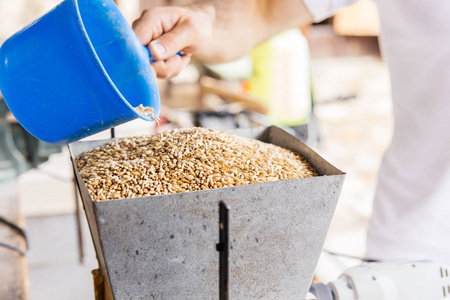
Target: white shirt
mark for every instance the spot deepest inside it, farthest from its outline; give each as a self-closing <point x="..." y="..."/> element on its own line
<point x="411" y="215"/>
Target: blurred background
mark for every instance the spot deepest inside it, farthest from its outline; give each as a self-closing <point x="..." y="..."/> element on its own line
<point x="325" y="83"/>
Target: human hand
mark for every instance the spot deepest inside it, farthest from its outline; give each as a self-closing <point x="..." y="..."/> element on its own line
<point x="168" y="30"/>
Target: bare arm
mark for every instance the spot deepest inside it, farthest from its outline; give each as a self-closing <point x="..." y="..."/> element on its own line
<point x="215" y="31"/>
<point x="241" y="25"/>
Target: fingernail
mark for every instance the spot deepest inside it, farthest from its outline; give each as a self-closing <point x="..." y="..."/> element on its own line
<point x="158" y="48"/>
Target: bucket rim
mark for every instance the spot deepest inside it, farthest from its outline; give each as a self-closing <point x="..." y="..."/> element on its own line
<point x="98" y="62"/>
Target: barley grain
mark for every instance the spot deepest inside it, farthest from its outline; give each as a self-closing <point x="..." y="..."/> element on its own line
<point x="184" y="160"/>
<point x="147" y="111"/>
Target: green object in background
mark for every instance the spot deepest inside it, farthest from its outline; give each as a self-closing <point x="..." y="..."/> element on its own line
<point x="261" y="79"/>
<point x="281" y="78"/>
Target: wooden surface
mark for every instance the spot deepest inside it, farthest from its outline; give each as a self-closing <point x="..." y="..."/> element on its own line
<point x="14" y="267"/>
<point x="217" y="87"/>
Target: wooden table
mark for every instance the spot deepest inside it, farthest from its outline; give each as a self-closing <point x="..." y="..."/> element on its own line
<point x="14" y="284"/>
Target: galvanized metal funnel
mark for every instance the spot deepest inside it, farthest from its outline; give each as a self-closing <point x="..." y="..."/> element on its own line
<point x="164" y="247"/>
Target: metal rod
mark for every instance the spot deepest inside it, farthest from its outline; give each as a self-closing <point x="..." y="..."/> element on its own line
<point x="16" y="229"/>
<point x="81" y="255"/>
<point x="224" y="251"/>
<point x="12" y="247"/>
<point x="113" y="132"/>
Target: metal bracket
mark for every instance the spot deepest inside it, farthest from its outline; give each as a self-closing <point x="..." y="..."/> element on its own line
<point x="224" y="247"/>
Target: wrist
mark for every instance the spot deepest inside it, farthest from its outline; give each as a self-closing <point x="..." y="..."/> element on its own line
<point x="201" y="17"/>
<point x="206" y="7"/>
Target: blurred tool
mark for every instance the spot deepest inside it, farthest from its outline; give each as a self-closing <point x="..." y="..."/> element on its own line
<point x="388" y="281"/>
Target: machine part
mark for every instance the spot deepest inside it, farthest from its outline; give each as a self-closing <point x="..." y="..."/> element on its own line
<point x="321" y="291"/>
<point x="310" y="296"/>
<point x="12" y="162"/>
<point x="162" y="247"/>
<point x="415" y="280"/>
<point x="224" y="249"/>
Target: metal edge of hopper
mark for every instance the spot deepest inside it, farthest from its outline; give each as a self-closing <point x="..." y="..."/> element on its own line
<point x="279" y="137"/>
<point x="88" y="204"/>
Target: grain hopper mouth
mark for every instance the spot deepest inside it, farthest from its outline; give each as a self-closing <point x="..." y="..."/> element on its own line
<point x="164" y="247"/>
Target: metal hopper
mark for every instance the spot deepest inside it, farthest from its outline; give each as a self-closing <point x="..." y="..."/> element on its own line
<point x="164" y="247"/>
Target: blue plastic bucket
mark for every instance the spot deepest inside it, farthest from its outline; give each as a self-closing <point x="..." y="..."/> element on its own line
<point x="76" y="71"/>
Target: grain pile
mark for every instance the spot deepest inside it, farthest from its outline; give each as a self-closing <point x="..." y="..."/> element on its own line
<point x="184" y="160"/>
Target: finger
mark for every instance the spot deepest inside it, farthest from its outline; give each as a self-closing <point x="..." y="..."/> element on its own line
<point x="153" y="23"/>
<point x="140" y="28"/>
<point x="184" y="35"/>
<point x="170" y="67"/>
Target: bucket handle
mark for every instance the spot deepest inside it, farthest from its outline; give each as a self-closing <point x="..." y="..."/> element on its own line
<point x="147" y="51"/>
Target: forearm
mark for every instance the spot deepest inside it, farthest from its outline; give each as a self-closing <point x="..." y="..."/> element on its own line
<point x="214" y="30"/>
<point x="242" y="24"/>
